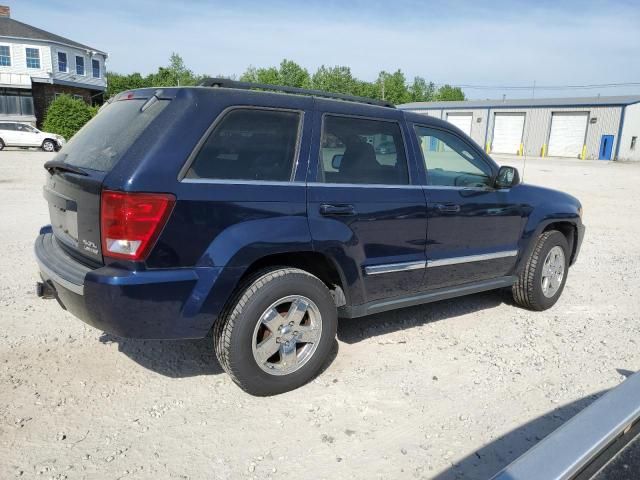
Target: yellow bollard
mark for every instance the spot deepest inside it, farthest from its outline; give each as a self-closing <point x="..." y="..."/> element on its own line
<point x="543" y="153"/>
<point x="584" y="152"/>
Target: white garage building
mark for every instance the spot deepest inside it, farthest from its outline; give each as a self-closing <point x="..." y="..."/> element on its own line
<point x="605" y="128"/>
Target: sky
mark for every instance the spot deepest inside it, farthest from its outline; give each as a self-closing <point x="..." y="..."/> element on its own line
<point x="496" y="44"/>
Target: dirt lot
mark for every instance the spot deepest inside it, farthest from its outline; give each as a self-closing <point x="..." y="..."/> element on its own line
<point x="455" y="389"/>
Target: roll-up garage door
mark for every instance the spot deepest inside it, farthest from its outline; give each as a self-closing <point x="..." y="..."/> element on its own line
<point x="507" y="132"/>
<point x="461" y="120"/>
<point x="567" y="134"/>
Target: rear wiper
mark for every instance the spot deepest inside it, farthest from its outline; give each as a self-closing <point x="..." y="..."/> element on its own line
<point x="53" y="166"/>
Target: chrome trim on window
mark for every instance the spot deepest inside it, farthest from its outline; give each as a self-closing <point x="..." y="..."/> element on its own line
<point x="394" y="267"/>
<point x="282" y="183"/>
<point x="362" y="185"/>
<point x="471" y="258"/>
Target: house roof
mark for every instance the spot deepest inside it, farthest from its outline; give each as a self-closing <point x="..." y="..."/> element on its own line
<point x="15" y="29"/>
<point x="526" y="102"/>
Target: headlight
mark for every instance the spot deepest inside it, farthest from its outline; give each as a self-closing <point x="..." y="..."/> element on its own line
<point x="580" y="210"/>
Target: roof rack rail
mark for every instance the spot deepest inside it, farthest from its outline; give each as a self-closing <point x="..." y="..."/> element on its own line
<point x="226" y="83"/>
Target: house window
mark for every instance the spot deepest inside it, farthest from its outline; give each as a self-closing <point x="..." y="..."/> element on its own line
<point x="633" y="143"/>
<point x="33" y="58"/>
<point x="5" y="56"/>
<point x="78" y="97"/>
<point x="15" y="102"/>
<point x="95" y="65"/>
<point x="79" y="65"/>
<point x="62" y="62"/>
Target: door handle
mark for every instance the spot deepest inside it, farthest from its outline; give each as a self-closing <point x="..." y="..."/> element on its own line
<point x="345" y="210"/>
<point x="448" y="207"/>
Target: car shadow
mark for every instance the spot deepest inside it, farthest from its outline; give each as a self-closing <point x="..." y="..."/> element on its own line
<point x="180" y="358"/>
<point x="172" y="358"/>
<point x="358" y="329"/>
<point x="487" y="461"/>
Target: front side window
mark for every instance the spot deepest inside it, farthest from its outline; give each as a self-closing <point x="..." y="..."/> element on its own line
<point x="79" y="65"/>
<point x="249" y="144"/>
<point x="95" y="65"/>
<point x="450" y="161"/>
<point x="33" y="58"/>
<point x="62" y="62"/>
<point x="5" y="56"/>
<point x="356" y="150"/>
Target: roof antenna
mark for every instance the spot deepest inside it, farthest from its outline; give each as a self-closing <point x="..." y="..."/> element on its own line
<point x="526" y="136"/>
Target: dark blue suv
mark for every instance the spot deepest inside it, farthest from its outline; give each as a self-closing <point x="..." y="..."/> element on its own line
<point x="265" y="216"/>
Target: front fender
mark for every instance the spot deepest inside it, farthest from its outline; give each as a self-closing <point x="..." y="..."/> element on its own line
<point x="537" y="223"/>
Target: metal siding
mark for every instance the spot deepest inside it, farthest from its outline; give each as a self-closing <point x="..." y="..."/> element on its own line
<point x="630" y="128"/>
<point x="538" y="123"/>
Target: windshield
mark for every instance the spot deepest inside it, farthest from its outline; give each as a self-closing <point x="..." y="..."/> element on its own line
<point x="104" y="140"/>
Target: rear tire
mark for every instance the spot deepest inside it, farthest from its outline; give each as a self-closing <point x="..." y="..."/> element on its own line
<point x="543" y="277"/>
<point x="49" y="146"/>
<point x="1" y="144"/>
<point x="277" y="332"/>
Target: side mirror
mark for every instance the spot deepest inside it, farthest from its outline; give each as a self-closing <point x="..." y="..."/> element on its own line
<point x="336" y="161"/>
<point x="507" y="177"/>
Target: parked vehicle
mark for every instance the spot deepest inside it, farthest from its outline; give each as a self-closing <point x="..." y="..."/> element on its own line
<point x="179" y="210"/>
<point x="602" y="442"/>
<point x="18" y="134"/>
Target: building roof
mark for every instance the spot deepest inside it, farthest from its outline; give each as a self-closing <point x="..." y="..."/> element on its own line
<point x="526" y="103"/>
<point x="15" y="29"/>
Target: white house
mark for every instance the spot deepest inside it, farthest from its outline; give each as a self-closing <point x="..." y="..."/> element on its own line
<point x="36" y="66"/>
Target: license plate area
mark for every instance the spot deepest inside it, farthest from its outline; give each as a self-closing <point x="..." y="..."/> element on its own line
<point x="63" y="212"/>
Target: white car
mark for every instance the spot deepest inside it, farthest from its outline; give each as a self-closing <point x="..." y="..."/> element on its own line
<point x="17" y="134"/>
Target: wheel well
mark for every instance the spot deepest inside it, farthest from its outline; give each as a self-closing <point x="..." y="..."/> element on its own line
<point x="568" y="229"/>
<point x="50" y="139"/>
<point x="313" y="262"/>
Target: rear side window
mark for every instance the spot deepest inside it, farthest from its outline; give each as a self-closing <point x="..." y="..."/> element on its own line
<point x="105" y="139"/>
<point x="249" y="144"/>
<point x="356" y="150"/>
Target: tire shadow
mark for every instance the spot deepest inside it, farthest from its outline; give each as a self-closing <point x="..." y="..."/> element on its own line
<point x="181" y="358"/>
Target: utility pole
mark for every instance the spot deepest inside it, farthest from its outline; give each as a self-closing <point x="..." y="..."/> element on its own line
<point x="533" y="93"/>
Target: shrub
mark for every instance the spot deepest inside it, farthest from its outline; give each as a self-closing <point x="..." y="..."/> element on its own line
<point x="66" y="115"/>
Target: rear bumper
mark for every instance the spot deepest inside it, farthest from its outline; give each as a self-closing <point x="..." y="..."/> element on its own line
<point x="153" y="304"/>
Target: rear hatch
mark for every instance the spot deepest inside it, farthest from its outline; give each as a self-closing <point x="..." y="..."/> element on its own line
<point x="77" y="172"/>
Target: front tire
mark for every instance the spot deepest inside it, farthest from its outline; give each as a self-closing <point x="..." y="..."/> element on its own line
<point x="543" y="277"/>
<point x="1" y="144"/>
<point x="49" y="146"/>
<point x="278" y="331"/>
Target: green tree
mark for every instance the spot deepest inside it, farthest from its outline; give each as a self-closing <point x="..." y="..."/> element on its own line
<point x="336" y="79"/>
<point x="393" y="87"/>
<point x="421" y="90"/>
<point x="448" y="93"/>
<point x="175" y="74"/>
<point x="66" y="115"/>
<point x="117" y="82"/>
<point x="293" y="75"/>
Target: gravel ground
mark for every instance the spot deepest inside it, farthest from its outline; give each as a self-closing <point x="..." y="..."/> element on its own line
<point x="455" y="389"/>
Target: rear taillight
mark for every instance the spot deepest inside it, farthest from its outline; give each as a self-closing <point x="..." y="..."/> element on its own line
<point x="131" y="222"/>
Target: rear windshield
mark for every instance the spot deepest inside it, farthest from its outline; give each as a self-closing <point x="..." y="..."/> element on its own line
<point x="102" y="142"/>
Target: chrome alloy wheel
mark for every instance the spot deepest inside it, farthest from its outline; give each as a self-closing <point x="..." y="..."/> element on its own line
<point x="553" y="271"/>
<point x="48" y="146"/>
<point x="287" y="335"/>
